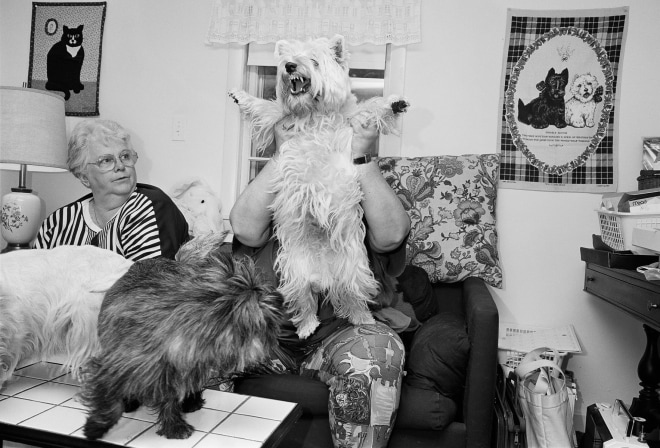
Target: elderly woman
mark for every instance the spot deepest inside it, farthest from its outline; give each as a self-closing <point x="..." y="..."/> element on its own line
<point x="135" y="220"/>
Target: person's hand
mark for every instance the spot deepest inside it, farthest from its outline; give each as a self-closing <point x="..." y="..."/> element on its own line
<point x="365" y="134"/>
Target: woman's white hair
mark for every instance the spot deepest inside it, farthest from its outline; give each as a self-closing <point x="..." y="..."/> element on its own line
<point x="93" y="131"/>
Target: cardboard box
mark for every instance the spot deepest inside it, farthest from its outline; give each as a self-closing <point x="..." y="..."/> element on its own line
<point x="646" y="238"/>
<point x="651" y="204"/>
<point x="621" y="202"/>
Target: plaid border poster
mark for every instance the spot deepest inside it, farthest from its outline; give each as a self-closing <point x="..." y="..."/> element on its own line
<point x="559" y="99"/>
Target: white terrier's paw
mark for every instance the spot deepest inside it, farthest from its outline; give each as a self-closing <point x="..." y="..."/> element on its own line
<point x="361" y="318"/>
<point x="400" y="106"/>
<point x="237" y="95"/>
<point x="307" y="327"/>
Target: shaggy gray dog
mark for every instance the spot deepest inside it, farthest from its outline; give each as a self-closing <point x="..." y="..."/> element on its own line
<point x="166" y="327"/>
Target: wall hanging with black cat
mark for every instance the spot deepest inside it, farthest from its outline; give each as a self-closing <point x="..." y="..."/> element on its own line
<point x="65" y="53"/>
<point x="64" y="62"/>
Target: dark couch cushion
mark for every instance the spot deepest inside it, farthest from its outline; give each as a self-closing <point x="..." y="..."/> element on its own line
<point x="417" y="290"/>
<point x="439" y="356"/>
<point x="424" y="409"/>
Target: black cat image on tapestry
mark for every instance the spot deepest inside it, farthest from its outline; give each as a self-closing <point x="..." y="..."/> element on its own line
<point x="64" y="62"/>
<point x="549" y="108"/>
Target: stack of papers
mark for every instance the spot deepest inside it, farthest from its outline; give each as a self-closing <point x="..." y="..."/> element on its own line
<point x="562" y="339"/>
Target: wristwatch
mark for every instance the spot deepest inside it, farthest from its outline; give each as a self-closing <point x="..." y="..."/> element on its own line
<point x="365" y="158"/>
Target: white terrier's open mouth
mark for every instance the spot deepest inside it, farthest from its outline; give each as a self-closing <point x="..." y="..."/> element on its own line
<point x="299" y="84"/>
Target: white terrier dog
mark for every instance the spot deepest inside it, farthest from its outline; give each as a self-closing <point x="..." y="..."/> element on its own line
<point x="50" y="301"/>
<point x="316" y="212"/>
<point x="581" y="107"/>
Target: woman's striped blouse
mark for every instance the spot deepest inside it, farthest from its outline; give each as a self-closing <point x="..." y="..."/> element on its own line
<point x="148" y="225"/>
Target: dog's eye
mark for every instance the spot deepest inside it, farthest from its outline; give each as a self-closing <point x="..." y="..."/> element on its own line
<point x="315" y="62"/>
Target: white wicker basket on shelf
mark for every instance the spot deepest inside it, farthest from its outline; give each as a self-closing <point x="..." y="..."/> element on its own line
<point x="515" y="341"/>
<point x="616" y="228"/>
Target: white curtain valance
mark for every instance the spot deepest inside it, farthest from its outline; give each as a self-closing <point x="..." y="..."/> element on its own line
<point x="365" y="56"/>
<point x="359" y="21"/>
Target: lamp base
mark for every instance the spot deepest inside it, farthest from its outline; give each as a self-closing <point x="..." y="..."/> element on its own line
<point x="20" y="219"/>
<point x="15" y="246"/>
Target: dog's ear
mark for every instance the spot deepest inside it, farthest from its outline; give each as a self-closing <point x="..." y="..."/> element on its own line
<point x="564" y="75"/>
<point x="338" y="46"/>
<point x="598" y="94"/>
<point x="282" y="47"/>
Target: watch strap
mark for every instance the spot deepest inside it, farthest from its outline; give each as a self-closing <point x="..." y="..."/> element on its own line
<point x="361" y="160"/>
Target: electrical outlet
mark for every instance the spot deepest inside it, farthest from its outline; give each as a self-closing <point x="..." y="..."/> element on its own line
<point x="178" y="128"/>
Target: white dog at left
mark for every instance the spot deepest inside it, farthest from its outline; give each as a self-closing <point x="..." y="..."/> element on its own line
<point x="50" y="301"/>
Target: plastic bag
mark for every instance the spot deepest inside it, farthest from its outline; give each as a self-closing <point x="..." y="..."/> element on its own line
<point x="651" y="271"/>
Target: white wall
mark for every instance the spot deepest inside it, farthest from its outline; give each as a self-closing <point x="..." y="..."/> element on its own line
<point x="155" y="65"/>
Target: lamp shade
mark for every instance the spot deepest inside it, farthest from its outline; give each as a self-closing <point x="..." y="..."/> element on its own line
<point x="32" y="130"/>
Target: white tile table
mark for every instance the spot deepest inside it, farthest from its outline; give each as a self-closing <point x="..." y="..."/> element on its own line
<point x="39" y="407"/>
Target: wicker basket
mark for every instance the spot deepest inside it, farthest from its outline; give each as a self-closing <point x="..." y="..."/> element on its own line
<point x="616" y="228"/>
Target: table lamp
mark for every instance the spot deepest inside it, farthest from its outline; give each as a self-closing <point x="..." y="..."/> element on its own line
<point x="32" y="133"/>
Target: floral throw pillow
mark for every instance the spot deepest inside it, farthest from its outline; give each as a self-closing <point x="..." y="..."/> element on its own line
<point x="451" y="204"/>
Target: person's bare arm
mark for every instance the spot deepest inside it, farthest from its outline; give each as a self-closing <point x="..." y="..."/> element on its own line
<point x="250" y="217"/>
<point x="388" y="223"/>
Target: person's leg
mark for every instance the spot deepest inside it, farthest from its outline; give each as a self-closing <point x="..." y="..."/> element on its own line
<point x="363" y="366"/>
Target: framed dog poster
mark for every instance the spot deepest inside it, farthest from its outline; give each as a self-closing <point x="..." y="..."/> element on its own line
<point x="559" y="99"/>
<point x="65" y="53"/>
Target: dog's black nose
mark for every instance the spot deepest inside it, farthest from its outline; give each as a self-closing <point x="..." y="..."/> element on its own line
<point x="290" y="67"/>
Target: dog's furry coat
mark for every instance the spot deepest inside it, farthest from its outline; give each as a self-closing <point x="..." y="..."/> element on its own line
<point x="166" y="327"/>
<point x="316" y="212"/>
<point x="50" y="300"/>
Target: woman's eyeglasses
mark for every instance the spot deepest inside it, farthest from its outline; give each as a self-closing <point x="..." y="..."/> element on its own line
<point x="107" y="162"/>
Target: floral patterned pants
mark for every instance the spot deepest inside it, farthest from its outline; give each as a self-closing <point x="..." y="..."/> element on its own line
<point x="363" y="366"/>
